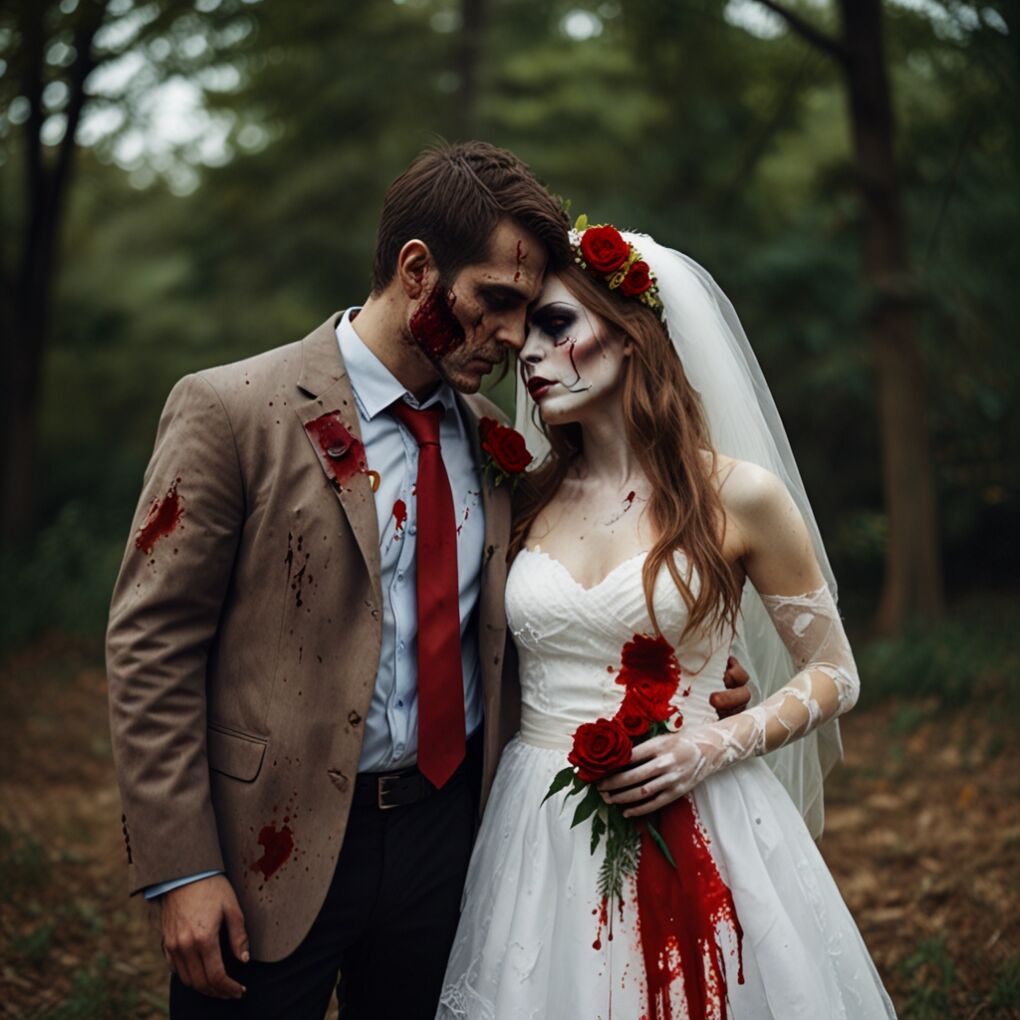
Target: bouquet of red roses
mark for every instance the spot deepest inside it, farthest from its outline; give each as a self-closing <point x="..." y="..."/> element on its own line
<point x="650" y="674"/>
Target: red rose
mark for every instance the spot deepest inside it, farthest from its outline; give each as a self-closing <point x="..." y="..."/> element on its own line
<point x="648" y="698"/>
<point x="599" y="748"/>
<point x="649" y="656"/>
<point x="637" y="280"/>
<point x="604" y="249"/>
<point x="650" y="672"/>
<point x="636" y="723"/>
<point x="505" y="446"/>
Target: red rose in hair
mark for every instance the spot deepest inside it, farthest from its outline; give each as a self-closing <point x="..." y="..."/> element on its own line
<point x="637" y="280"/>
<point x="604" y="249"/>
<point x="505" y="446"/>
<point x="599" y="748"/>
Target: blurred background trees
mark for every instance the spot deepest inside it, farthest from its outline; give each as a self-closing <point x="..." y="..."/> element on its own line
<point x="230" y="165"/>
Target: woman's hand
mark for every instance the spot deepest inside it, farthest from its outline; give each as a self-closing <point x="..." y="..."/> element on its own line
<point x="663" y="769"/>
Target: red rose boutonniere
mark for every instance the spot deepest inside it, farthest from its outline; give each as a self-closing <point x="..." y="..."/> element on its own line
<point x="506" y="455"/>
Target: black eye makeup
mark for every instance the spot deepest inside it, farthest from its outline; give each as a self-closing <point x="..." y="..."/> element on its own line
<point x="555" y="321"/>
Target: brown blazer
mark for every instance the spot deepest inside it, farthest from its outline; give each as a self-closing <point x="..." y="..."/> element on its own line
<point x="245" y="632"/>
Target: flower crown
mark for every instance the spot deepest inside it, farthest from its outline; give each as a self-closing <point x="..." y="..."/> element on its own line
<point x="602" y="252"/>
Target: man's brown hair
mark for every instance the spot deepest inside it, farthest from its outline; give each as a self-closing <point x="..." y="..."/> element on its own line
<point x="452" y="197"/>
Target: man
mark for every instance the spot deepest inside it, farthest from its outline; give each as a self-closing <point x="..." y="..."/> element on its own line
<point x="305" y="658"/>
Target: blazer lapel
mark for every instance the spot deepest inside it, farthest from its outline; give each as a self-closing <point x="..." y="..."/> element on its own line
<point x="329" y="418"/>
<point x="495" y="500"/>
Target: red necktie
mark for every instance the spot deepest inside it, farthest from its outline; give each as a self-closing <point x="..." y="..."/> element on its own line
<point x="440" y="674"/>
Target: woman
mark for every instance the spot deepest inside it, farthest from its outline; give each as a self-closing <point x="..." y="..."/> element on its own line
<point x="668" y="517"/>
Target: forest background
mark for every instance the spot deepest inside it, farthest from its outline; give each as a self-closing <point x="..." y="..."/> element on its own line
<point x="188" y="183"/>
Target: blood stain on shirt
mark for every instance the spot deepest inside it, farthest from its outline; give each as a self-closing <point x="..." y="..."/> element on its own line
<point x="399" y="517"/>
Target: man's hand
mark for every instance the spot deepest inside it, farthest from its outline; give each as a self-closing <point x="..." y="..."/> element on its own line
<point x="737" y="696"/>
<point x="192" y="916"/>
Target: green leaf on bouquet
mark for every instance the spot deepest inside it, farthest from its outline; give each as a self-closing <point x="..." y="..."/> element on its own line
<point x="661" y="843"/>
<point x="619" y="825"/>
<point x="622" y="849"/>
<point x="598" y="829"/>
<point x="587" y="807"/>
<point x="561" y="780"/>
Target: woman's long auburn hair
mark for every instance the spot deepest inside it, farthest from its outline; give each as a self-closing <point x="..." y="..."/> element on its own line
<point x="666" y="427"/>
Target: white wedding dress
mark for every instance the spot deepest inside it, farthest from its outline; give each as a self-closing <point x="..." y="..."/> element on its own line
<point x="524" y="949"/>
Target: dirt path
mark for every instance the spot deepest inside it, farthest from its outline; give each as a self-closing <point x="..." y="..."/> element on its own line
<point x="923" y="836"/>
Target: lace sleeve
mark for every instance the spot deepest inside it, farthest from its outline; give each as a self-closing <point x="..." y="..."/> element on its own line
<point x="825" y="686"/>
<point x="813" y="633"/>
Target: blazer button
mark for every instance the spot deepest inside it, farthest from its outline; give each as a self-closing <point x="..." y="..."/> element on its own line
<point x="338" y="450"/>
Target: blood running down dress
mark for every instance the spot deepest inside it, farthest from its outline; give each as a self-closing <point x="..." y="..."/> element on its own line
<point x="534" y="942"/>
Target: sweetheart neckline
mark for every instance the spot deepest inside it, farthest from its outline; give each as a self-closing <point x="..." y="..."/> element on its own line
<point x="577" y="584"/>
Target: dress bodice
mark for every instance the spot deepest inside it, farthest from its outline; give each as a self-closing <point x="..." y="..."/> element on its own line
<point x="569" y="639"/>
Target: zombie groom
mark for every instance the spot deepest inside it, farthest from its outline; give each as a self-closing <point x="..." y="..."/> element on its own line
<point x="306" y="641"/>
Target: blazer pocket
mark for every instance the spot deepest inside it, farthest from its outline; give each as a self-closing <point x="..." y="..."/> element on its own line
<point x="235" y="754"/>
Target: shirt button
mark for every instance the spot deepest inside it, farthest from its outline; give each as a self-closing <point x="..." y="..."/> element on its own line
<point x="400" y="703"/>
<point x="400" y="578"/>
<point x="398" y="750"/>
<point x="413" y="530"/>
<point x="401" y="646"/>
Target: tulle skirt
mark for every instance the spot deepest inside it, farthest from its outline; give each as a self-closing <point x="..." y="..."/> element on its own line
<point x="525" y="947"/>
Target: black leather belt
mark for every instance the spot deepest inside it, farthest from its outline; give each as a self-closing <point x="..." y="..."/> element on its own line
<point x="386" y="790"/>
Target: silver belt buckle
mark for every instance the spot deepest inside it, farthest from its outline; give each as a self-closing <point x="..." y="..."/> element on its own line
<point x="380" y="793"/>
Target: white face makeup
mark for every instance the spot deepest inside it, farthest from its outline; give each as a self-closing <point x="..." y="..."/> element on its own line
<point x="569" y="361"/>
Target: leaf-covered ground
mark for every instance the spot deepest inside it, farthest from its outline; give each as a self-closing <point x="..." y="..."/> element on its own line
<point x="923" y="835"/>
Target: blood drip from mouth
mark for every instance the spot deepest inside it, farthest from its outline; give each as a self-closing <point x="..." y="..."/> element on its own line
<point x="433" y="325"/>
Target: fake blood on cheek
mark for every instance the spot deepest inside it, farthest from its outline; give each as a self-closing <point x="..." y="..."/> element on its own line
<point x="433" y="325"/>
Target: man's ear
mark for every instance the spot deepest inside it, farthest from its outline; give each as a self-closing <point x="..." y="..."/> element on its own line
<point x="416" y="270"/>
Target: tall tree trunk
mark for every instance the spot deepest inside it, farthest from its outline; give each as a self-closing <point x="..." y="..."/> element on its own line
<point x="469" y="57"/>
<point x="913" y="577"/>
<point x="912" y="586"/>
<point x="27" y="311"/>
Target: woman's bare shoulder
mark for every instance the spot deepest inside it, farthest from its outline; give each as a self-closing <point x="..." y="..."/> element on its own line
<point x="751" y="495"/>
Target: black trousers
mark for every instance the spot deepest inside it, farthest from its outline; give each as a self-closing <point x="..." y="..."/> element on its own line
<point x="385" y="928"/>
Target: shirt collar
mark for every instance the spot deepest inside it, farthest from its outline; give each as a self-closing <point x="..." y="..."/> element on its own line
<point x="375" y="386"/>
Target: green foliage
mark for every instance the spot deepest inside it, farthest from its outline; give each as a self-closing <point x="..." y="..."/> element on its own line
<point x="62" y="582"/>
<point x="623" y="846"/>
<point x="1005" y="994"/>
<point x="933" y="977"/>
<point x="23" y="863"/>
<point x="670" y="118"/>
<point x="36" y="945"/>
<point x="969" y="659"/>
<point x="95" y="995"/>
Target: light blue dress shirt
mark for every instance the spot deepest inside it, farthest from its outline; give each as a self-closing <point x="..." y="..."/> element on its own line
<point x="391" y="726"/>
